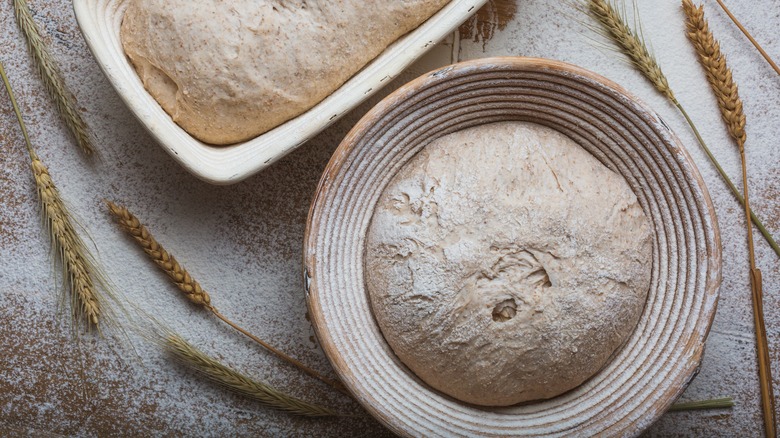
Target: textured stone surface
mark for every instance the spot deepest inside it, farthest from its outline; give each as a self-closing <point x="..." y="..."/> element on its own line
<point x="243" y="242"/>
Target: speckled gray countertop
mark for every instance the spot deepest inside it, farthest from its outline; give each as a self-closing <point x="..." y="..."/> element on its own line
<point x="244" y="242"/>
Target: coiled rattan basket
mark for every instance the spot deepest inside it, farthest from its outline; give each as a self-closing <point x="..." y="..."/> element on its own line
<point x="664" y="352"/>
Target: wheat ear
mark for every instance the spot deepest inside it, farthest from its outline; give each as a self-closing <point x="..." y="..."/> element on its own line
<point x="166" y="262"/>
<point x="727" y="93"/>
<point x="52" y="78"/>
<point x="614" y="26"/>
<point x="235" y="381"/>
<point x="191" y="289"/>
<point x="718" y="73"/>
<point x="78" y="265"/>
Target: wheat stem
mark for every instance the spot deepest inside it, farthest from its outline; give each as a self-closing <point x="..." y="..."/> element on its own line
<point x="332" y="383"/>
<point x="734" y="190"/>
<point x="750" y="37"/>
<point x="52" y="78"/>
<point x="235" y="381"/>
<point x="191" y="288"/>
<point x="79" y="269"/>
<point x="727" y="94"/>
<point x="717" y="403"/>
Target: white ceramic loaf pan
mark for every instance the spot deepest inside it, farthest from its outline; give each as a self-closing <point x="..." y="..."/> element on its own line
<point x="100" y="22"/>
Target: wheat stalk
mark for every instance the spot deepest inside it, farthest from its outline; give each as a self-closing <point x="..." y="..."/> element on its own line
<point x="235" y="381"/>
<point x="79" y="269"/>
<point x="52" y="78"/>
<point x="727" y="94"/>
<point x="750" y="37"/>
<point x="191" y="289"/>
<point x="614" y="25"/>
<point x="716" y="403"/>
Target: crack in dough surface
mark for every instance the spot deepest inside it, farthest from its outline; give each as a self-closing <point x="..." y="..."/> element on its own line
<point x="505" y="264"/>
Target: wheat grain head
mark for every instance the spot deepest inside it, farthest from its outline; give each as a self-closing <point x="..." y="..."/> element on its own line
<point x="183" y="280"/>
<point x="613" y="24"/>
<point x="717" y="71"/>
<point x="192" y="290"/>
<point x="52" y="78"/>
<point x="237" y="382"/>
<point x="80" y="271"/>
<point x="77" y="264"/>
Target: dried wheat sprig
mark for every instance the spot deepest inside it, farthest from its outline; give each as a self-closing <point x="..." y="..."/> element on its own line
<point x="716" y="403"/>
<point x="614" y="25"/>
<point x="727" y="94"/>
<point x="717" y="72"/>
<point x="52" y="78"/>
<point x="164" y="260"/>
<point x="79" y="270"/>
<point x="237" y="382"/>
<point x="72" y="252"/>
<point x="750" y="37"/>
<point x="191" y="288"/>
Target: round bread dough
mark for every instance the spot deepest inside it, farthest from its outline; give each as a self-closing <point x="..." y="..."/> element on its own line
<point x="228" y="71"/>
<point x="504" y="264"/>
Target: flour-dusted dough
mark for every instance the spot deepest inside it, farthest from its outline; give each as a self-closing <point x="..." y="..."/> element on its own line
<point x="504" y="264"/>
<point x="227" y="71"/>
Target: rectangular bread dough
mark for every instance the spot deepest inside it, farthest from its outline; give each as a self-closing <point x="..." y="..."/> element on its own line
<point x="229" y="71"/>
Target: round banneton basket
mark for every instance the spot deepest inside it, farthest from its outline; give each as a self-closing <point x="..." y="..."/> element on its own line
<point x="664" y="352"/>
